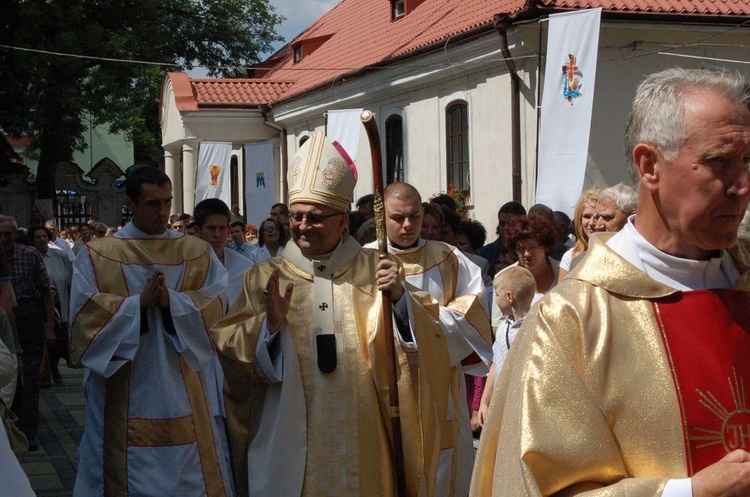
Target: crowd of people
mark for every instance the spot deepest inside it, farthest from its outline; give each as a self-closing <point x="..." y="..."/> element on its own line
<point x="604" y="354"/>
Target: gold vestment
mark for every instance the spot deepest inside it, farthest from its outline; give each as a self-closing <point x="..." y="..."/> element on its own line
<point x="344" y="439"/>
<point x="586" y="400"/>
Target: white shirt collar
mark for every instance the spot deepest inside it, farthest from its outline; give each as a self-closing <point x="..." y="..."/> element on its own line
<point x="679" y="273"/>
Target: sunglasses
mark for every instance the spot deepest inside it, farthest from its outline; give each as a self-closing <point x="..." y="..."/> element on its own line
<point x="312" y="219"/>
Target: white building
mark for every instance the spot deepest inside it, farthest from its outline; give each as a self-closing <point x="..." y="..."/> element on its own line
<point x="455" y="87"/>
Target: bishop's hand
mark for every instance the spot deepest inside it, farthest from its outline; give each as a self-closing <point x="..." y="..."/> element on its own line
<point x="277" y="305"/>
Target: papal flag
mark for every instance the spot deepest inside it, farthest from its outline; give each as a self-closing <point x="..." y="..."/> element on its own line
<point x="213" y="175"/>
<point x="567" y="103"/>
<point x="260" y="182"/>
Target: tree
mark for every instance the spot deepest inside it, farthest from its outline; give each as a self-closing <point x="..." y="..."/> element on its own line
<point x="49" y="97"/>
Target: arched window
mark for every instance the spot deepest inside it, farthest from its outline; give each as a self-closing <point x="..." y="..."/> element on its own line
<point x="457" y="145"/>
<point x="394" y="149"/>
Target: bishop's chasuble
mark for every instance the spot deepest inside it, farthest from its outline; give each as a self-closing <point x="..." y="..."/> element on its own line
<point x="618" y="383"/>
<point x="295" y="430"/>
<point x="456" y="282"/>
<point x="151" y="383"/>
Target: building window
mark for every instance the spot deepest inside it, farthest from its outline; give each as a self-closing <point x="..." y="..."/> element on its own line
<point x="298" y="53"/>
<point x="234" y="181"/>
<point x="394" y="149"/>
<point x="457" y="134"/>
<point x="398" y="9"/>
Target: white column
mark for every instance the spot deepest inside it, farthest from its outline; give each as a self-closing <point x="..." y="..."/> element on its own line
<point x="188" y="177"/>
<point x="171" y="167"/>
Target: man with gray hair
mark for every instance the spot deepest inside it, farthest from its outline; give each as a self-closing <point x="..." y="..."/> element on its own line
<point x="631" y="377"/>
<point x="613" y="207"/>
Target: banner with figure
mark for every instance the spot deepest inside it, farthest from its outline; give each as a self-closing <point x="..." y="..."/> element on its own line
<point x="260" y="193"/>
<point x="567" y="103"/>
<point x="213" y="178"/>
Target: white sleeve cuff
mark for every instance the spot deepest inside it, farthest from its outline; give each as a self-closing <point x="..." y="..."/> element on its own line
<point x="678" y="488"/>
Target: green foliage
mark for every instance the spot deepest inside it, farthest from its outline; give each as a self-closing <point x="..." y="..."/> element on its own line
<point x="47" y="96"/>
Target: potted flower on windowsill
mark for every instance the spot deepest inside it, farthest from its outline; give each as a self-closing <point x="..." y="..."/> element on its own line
<point x="461" y="197"/>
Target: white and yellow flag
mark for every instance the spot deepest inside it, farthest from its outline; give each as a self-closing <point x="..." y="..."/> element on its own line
<point x="567" y="103"/>
<point x="213" y="174"/>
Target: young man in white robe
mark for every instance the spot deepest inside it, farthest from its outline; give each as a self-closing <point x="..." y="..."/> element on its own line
<point x="212" y="217"/>
<point x="141" y="306"/>
<point x="456" y="283"/>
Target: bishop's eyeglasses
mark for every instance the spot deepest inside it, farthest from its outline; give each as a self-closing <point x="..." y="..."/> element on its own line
<point x="312" y="218"/>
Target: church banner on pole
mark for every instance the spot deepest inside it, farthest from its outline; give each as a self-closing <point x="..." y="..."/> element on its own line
<point x="344" y="126"/>
<point x="213" y="174"/>
<point x="567" y="104"/>
<point x="259" y="181"/>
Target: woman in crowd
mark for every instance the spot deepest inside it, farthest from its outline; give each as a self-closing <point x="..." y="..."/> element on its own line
<point x="584" y="220"/>
<point x="532" y="238"/>
<point x="271" y="240"/>
<point x="251" y="234"/>
<point x="432" y="221"/>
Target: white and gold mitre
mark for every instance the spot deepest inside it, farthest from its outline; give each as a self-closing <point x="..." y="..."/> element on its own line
<point x="322" y="173"/>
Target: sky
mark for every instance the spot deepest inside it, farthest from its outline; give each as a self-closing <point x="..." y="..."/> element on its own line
<point x="299" y="15"/>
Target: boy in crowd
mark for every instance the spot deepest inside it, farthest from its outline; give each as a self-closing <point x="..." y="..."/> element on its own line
<point x="514" y="291"/>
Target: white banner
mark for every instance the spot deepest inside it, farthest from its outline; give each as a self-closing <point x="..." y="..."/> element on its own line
<point x="344" y="126"/>
<point x="213" y="177"/>
<point x="259" y="181"/>
<point x="567" y="103"/>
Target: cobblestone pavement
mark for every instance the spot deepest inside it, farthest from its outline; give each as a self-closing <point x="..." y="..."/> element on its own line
<point x="52" y="469"/>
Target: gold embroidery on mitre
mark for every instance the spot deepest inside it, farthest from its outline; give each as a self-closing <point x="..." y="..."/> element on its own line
<point x="735" y="424"/>
<point x="295" y="172"/>
<point x="333" y="174"/>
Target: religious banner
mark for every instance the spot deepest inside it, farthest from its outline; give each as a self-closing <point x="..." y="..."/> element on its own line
<point x="344" y="126"/>
<point x="260" y="194"/>
<point x="213" y="175"/>
<point x="567" y="104"/>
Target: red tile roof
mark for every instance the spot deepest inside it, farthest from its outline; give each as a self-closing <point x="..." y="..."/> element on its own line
<point x="695" y="7"/>
<point x="359" y="34"/>
<point x="194" y="94"/>
<point x="242" y="92"/>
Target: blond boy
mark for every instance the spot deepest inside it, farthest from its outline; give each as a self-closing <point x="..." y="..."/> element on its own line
<point x="514" y="291"/>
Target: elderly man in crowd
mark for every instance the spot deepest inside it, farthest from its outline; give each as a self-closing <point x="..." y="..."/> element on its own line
<point x="56" y="241"/>
<point x="303" y="351"/>
<point x="630" y="378"/>
<point x="613" y="206"/>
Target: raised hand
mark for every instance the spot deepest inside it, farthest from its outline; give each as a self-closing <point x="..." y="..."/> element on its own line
<point x="277" y="305"/>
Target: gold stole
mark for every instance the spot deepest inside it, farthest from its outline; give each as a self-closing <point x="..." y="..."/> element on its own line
<point x="120" y="431"/>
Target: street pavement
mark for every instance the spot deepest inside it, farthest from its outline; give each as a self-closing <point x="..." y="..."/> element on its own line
<point x="52" y="469"/>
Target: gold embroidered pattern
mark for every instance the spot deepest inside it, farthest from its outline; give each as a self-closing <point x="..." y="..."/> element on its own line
<point x="735" y="427"/>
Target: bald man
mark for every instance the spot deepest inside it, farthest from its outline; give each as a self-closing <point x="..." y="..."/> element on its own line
<point x="456" y="283"/>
